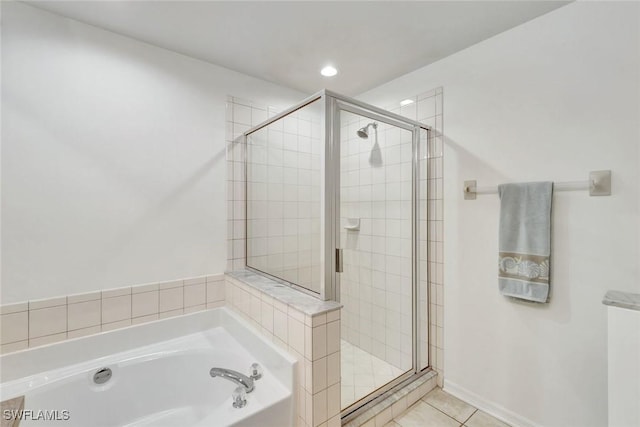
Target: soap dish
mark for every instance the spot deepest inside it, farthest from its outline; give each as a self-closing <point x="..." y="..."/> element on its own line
<point x="353" y="224"/>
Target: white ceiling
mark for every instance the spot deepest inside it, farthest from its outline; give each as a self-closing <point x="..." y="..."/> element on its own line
<point x="288" y="42"/>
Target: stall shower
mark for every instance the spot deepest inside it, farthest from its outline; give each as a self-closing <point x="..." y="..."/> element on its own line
<point x="336" y="206"/>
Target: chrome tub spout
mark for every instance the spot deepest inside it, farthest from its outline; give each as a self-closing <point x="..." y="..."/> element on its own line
<point x="233" y="376"/>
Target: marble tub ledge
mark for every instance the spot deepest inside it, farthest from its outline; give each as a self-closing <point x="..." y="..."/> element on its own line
<point x="294" y="298"/>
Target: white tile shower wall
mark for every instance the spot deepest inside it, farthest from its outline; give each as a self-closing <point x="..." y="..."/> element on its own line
<point x="363" y="277"/>
<point x="376" y="283"/>
<point x="283" y="223"/>
<point x="314" y="341"/>
<point x="34" y="323"/>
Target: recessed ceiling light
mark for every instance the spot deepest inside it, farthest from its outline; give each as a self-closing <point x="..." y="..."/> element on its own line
<point x="406" y="102"/>
<point x="329" y="71"/>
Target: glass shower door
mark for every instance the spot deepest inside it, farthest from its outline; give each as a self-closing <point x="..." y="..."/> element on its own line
<point x="376" y="286"/>
<point x="283" y="161"/>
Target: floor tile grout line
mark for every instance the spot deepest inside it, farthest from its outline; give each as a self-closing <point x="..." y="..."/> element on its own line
<point x="441" y="411"/>
<point x="412" y="408"/>
<point x="472" y="414"/>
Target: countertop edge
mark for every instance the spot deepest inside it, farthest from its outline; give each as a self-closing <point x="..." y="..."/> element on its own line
<point x="621" y="299"/>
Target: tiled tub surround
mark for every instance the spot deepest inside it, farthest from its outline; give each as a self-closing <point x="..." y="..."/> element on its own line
<point x="308" y="328"/>
<point x="39" y="322"/>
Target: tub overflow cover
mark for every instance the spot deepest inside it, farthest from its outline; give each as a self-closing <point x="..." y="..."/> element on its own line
<point x="102" y="376"/>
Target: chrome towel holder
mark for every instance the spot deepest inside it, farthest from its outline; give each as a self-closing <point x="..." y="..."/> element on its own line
<point x="598" y="184"/>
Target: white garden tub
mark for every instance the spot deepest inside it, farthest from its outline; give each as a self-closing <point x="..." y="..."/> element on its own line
<point x="160" y="376"/>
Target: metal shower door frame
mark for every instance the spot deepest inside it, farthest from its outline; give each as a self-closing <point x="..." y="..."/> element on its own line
<point x="330" y="178"/>
<point x="334" y="104"/>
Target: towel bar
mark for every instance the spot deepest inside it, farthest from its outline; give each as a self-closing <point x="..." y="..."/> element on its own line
<point x="598" y="184"/>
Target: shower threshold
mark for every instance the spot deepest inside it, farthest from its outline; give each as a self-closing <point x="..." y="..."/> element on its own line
<point x="403" y="395"/>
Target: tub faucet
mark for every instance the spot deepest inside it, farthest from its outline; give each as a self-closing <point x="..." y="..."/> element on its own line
<point x="236" y="377"/>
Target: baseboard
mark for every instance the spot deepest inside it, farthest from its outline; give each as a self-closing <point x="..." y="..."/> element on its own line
<point x="487" y="406"/>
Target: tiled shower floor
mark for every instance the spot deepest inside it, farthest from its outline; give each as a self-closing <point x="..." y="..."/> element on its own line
<point x="362" y="373"/>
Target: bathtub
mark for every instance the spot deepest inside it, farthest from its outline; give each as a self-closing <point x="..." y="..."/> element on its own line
<point x="159" y="376"/>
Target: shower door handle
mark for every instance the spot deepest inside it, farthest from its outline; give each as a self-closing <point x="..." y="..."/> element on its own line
<point x="339" y="261"/>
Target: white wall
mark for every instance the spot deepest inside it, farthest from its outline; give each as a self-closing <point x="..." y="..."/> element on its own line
<point x="113" y="158"/>
<point x="550" y="100"/>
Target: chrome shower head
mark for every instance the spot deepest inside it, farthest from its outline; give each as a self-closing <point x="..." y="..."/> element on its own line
<point x="363" y="132"/>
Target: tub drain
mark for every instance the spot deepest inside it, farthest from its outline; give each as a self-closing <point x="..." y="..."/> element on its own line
<point x="102" y="376"/>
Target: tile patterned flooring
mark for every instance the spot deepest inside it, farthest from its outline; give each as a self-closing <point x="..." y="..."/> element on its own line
<point x="439" y="409"/>
<point x="362" y="373"/>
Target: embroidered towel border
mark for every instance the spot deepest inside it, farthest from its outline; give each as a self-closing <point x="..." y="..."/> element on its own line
<point x="532" y="268"/>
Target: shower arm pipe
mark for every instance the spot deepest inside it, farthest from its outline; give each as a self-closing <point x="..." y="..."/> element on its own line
<point x="598" y="184"/>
